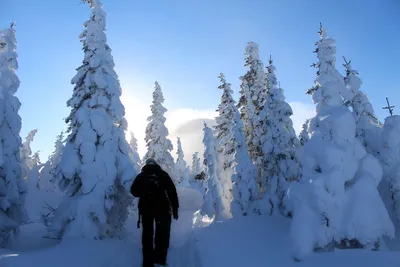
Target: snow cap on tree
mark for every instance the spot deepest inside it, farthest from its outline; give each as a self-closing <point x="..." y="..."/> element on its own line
<point x="329" y="89"/>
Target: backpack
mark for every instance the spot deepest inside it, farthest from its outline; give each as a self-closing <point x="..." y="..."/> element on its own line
<point x="154" y="193"/>
<point x="153" y="189"/>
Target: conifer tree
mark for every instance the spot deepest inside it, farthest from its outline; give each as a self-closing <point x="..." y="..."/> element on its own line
<point x="12" y="185"/>
<point x="133" y="153"/>
<point x="158" y="145"/>
<point x="244" y="178"/>
<point x="253" y="87"/>
<point x="198" y="177"/>
<point x="368" y="128"/>
<point x="390" y="159"/>
<point x="304" y="135"/>
<point x="181" y="167"/>
<point x="279" y="143"/>
<point x="196" y="165"/>
<point x="213" y="199"/>
<point x="224" y="137"/>
<point x="225" y="123"/>
<point x="26" y="153"/>
<point x="48" y="173"/>
<point x="95" y="170"/>
<point x="338" y="177"/>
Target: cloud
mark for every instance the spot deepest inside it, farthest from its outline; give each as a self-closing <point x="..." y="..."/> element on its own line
<point x="188" y="123"/>
<point x="183" y="122"/>
<point x="191" y="134"/>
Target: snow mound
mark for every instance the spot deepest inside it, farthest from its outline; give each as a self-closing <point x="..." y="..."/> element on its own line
<point x="263" y="241"/>
<point x="190" y="200"/>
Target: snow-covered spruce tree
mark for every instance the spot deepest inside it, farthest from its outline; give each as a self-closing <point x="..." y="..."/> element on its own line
<point x="213" y="199"/>
<point x="36" y="159"/>
<point x="390" y="159"/>
<point x="35" y="170"/>
<point x="224" y="137"/>
<point x="26" y="153"/>
<point x="182" y="169"/>
<point x="133" y="153"/>
<point x="225" y="123"/>
<point x="12" y="185"/>
<point x="48" y="172"/>
<point x="95" y="170"/>
<point x="279" y="144"/>
<point x="196" y="166"/>
<point x="339" y="178"/>
<point x="158" y="145"/>
<point x="33" y="177"/>
<point x="304" y="135"/>
<point x="197" y="175"/>
<point x="253" y="87"/>
<point x="244" y="178"/>
<point x="368" y="128"/>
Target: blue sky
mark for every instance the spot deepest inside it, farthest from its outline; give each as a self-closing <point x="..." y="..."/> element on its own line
<point x="185" y="44"/>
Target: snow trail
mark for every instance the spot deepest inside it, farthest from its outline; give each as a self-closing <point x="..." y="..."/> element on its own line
<point x="32" y="249"/>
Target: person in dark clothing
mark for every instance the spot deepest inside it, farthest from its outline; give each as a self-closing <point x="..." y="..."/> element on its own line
<point x="158" y="200"/>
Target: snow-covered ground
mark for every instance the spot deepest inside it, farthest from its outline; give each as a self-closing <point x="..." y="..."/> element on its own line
<point x="238" y="242"/>
<point x="265" y="241"/>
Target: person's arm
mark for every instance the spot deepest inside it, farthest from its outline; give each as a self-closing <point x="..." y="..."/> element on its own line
<point x="136" y="187"/>
<point x="172" y="195"/>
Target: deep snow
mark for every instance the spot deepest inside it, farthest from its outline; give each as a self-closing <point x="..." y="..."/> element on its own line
<point x="238" y="242"/>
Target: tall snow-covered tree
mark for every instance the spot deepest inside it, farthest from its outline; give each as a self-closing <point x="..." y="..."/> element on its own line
<point x="253" y="87"/>
<point x="279" y="144"/>
<point x="213" y="199"/>
<point x="339" y="178"/>
<point x="244" y="178"/>
<point x="197" y="174"/>
<point x="196" y="165"/>
<point x="12" y="185"/>
<point x="182" y="169"/>
<point x="48" y="172"/>
<point x="304" y="135"/>
<point x="158" y="145"/>
<point x="224" y="136"/>
<point x="36" y="159"/>
<point x="368" y="127"/>
<point x="26" y="153"/>
<point x="133" y="153"/>
<point x="95" y="170"/>
<point x="225" y="123"/>
<point x="34" y="174"/>
<point x="390" y="159"/>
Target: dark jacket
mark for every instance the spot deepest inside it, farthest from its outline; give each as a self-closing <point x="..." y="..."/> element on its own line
<point x="139" y="184"/>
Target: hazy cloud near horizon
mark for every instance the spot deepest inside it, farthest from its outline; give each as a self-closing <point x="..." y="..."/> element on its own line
<point x="188" y="124"/>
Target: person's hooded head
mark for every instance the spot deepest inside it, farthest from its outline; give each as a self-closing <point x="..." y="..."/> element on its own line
<point x="150" y="161"/>
<point x="150" y="164"/>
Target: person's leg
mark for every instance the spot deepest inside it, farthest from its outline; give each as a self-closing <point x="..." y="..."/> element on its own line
<point x="163" y="227"/>
<point x="147" y="240"/>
